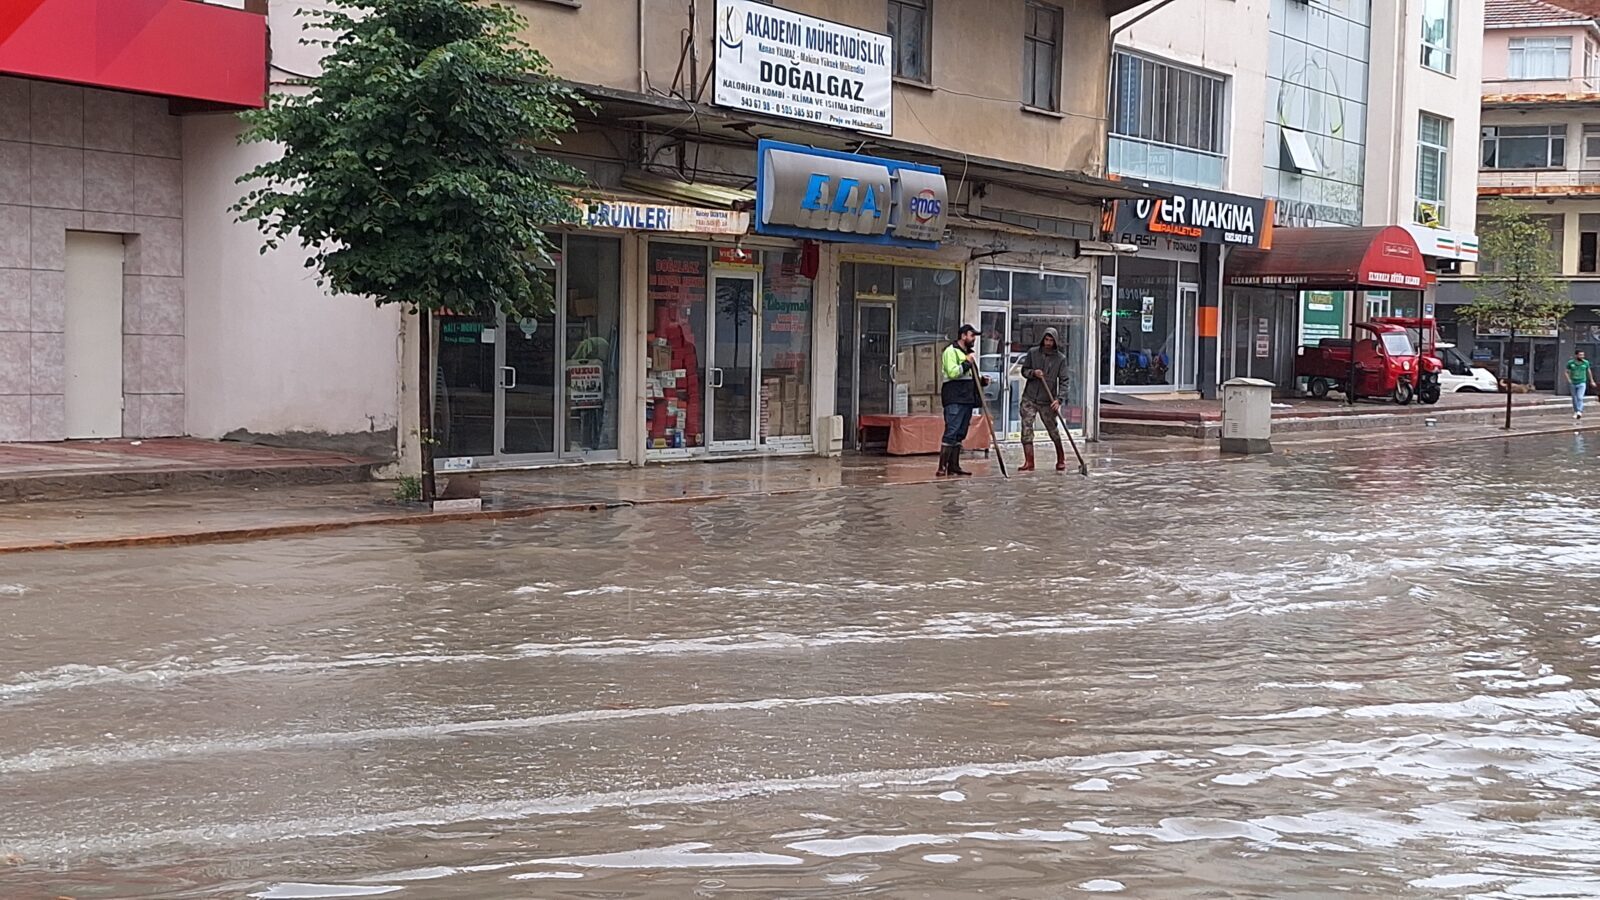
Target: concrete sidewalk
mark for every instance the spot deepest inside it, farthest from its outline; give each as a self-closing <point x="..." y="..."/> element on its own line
<point x="73" y="469"/>
<point x="255" y="512"/>
<point x="1202" y="419"/>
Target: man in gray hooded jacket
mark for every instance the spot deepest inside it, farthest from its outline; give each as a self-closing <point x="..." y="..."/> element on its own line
<point x="1045" y="368"/>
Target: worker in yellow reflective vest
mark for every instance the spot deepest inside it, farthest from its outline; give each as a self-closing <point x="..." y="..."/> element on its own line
<point x="959" y="396"/>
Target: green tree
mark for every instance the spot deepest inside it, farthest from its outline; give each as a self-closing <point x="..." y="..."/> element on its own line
<point x="1522" y="289"/>
<point x="412" y="166"/>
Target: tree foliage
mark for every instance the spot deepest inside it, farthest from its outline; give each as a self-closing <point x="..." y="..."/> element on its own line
<point x="1525" y="290"/>
<point x="411" y="165"/>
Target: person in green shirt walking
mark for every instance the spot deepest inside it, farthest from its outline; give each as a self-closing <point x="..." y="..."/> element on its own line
<point x="1579" y="377"/>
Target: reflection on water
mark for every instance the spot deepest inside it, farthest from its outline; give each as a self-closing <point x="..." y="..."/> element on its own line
<point x="1284" y="677"/>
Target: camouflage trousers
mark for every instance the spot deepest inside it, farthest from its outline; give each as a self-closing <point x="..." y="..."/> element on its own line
<point x="1031" y="411"/>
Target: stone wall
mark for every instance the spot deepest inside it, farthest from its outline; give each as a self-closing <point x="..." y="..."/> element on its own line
<point x="74" y="159"/>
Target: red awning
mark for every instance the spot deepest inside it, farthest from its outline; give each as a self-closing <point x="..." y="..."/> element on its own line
<point x="1335" y="259"/>
<point x="170" y="48"/>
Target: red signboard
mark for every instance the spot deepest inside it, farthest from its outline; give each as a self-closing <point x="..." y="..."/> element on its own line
<point x="170" y="48"/>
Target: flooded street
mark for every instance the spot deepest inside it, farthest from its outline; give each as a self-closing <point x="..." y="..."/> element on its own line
<point x="1312" y="674"/>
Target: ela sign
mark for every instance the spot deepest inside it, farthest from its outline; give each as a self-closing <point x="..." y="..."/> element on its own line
<point x="822" y="194"/>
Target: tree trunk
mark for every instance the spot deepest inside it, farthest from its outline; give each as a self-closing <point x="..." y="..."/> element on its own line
<point x="1511" y="368"/>
<point x="425" y="402"/>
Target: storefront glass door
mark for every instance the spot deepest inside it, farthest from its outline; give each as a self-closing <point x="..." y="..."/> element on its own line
<point x="996" y="359"/>
<point x="731" y="376"/>
<point x="875" y="359"/>
<point x="1186" y="348"/>
<point x="527" y="385"/>
<point x="466" y="392"/>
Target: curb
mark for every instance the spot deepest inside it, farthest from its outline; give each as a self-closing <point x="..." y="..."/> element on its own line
<point x="293" y="529"/>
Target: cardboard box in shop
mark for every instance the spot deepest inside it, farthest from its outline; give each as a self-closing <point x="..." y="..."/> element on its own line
<point x="905" y="360"/>
<point x="925" y="370"/>
<point x="921" y="405"/>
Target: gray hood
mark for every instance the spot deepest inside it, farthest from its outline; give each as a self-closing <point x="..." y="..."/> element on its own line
<point x="1050" y="333"/>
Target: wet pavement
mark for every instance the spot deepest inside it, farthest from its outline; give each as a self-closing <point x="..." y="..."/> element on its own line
<point x="1316" y="673"/>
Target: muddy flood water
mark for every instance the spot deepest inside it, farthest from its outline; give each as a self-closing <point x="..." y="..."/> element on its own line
<point x="1305" y="676"/>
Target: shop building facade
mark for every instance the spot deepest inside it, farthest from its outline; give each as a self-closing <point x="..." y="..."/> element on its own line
<point x="1278" y="100"/>
<point x="770" y="271"/>
<point x="684" y="327"/>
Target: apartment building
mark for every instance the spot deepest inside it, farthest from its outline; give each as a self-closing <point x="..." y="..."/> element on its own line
<point x="1540" y="145"/>
<point x="1338" y="113"/>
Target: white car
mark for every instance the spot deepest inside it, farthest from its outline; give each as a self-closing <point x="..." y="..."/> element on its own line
<point x="1459" y="374"/>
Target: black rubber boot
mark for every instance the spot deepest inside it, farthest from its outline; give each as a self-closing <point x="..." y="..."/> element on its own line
<point x="955" y="461"/>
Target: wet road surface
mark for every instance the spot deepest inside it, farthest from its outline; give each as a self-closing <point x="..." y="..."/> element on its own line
<point x="1302" y="676"/>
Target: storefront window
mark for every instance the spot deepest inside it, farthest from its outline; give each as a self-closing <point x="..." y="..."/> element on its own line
<point x="674" y="343"/>
<point x="786" y="322"/>
<point x="593" y="322"/>
<point x="544" y="387"/>
<point x="893" y="321"/>
<point x="1034" y="303"/>
<point x="1145" y="326"/>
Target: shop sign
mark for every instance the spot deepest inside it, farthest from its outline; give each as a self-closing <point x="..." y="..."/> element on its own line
<point x="782" y="63"/>
<point x="1444" y="244"/>
<point x="1208" y="217"/>
<point x="826" y="195"/>
<point x="1321" y="316"/>
<point x="586" y="384"/>
<point x="633" y="216"/>
<point x="1288" y="213"/>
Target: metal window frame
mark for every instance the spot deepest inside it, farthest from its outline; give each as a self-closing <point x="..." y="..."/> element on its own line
<point x="1546" y="49"/>
<point x="1446" y="45"/>
<point x="1174" y="105"/>
<point x="1553" y="134"/>
<point x="896" y="8"/>
<point x="1442" y="151"/>
<point x="1034" y="40"/>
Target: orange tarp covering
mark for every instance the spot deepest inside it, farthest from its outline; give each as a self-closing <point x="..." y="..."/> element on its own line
<point x="912" y="435"/>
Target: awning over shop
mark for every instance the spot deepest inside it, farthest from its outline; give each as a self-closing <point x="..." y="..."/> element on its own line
<point x="1383" y="258"/>
<point x="664" y="205"/>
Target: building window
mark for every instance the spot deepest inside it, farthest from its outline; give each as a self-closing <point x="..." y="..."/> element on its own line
<point x="909" y="22"/>
<point x="1555" y="226"/>
<point x="1433" y="169"/>
<point x="1591" y="147"/>
<point x="1041" y="56"/>
<point x="1588" y="243"/>
<point x="1524" y="146"/>
<point x="1168" y="123"/>
<point x="1540" y="59"/>
<point x="1438" y="34"/>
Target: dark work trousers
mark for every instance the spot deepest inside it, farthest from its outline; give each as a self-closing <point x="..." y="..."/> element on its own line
<point x="957" y="419"/>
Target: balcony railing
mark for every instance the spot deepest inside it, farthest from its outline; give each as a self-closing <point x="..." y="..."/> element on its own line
<point x="1538" y="181"/>
<point x="1519" y="91"/>
<point x="1140" y="158"/>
